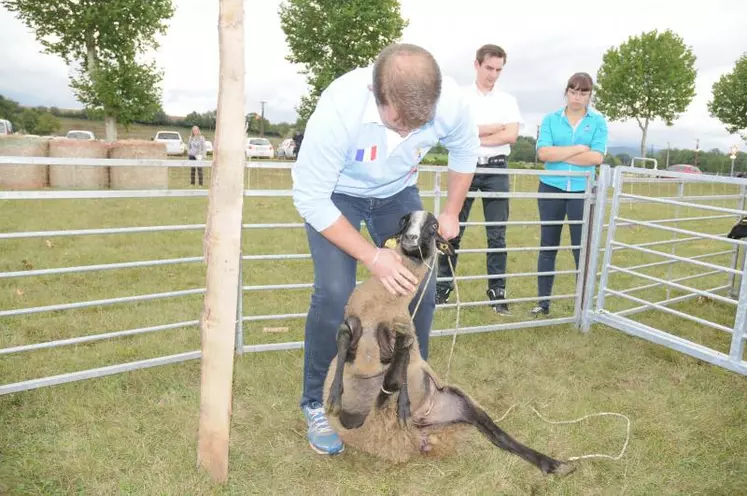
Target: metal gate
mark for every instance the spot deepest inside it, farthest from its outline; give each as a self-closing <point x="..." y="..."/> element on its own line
<point x="687" y="263"/>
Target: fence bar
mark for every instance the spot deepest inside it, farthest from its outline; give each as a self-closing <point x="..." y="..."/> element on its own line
<point x="503" y="327"/>
<point x="95" y="303"/>
<point x="679" y="279"/>
<point x="689" y="205"/>
<point x="668" y="310"/>
<point x="680" y="194"/>
<point x="92" y="268"/>
<point x="665" y="262"/>
<point x="676" y="257"/>
<point x="683" y="219"/>
<point x="648" y="333"/>
<point x="99" y="372"/>
<point x="676" y="299"/>
<point x="97" y="337"/>
<point x="672" y="284"/>
<point x="735" y="255"/>
<point x="595" y="240"/>
<point x="685" y="231"/>
<point x="617" y="185"/>
<point x="736" y="350"/>
<point x="91" y="232"/>
<point x="583" y="253"/>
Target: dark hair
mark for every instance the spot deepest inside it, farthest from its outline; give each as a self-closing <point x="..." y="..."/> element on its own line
<point x="486" y="51"/>
<point x="581" y="81"/>
<point x="407" y="78"/>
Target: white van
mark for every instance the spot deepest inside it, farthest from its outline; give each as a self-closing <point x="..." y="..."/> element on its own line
<point x="173" y="141"/>
<point x="5" y="127"/>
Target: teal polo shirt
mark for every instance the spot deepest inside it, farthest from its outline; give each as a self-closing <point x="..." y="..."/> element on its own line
<point x="556" y="130"/>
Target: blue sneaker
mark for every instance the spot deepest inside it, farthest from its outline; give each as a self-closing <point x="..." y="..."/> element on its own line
<point x="322" y="438"/>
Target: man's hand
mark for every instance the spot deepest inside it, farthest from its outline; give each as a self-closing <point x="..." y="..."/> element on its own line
<point x="448" y="225"/>
<point x="387" y="265"/>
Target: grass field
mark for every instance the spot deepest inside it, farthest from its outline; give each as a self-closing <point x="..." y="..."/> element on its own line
<point x="135" y="433"/>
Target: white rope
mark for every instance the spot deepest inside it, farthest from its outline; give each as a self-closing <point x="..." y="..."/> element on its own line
<point x="456" y="327"/>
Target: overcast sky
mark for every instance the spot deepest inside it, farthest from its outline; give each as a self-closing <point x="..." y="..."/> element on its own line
<point x="546" y="42"/>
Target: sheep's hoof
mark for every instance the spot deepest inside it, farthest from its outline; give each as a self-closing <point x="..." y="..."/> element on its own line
<point x="561" y="469"/>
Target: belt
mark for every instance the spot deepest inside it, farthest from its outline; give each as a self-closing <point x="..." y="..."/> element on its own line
<point x="499" y="160"/>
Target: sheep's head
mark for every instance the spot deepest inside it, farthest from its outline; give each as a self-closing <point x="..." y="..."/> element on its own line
<point x="418" y="236"/>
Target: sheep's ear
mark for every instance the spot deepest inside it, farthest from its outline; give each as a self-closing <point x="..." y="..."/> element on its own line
<point x="443" y="246"/>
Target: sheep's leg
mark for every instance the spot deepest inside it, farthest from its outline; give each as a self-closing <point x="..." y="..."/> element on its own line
<point x="347" y="338"/>
<point x="395" y="378"/>
<point x="449" y="405"/>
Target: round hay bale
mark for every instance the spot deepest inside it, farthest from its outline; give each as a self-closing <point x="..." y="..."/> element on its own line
<point x="74" y="176"/>
<point x="138" y="177"/>
<point x="24" y="176"/>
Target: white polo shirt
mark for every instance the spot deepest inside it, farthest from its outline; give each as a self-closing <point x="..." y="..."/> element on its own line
<point x="493" y="107"/>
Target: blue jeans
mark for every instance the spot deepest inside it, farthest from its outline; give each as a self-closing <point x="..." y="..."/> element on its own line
<point x="334" y="281"/>
<point x="556" y="209"/>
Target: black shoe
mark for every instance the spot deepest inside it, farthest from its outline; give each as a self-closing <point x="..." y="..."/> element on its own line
<point x="540" y="311"/>
<point x="442" y="294"/>
<point x="500" y="308"/>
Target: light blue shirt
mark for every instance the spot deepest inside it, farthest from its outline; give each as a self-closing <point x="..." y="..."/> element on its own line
<point x="346" y="148"/>
<point x="556" y="130"/>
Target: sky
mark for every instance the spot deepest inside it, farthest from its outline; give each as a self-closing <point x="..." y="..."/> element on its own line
<point x="545" y="41"/>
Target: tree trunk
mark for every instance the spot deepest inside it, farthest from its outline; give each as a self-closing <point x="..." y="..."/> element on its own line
<point x="644" y="130"/>
<point x="222" y="247"/>
<point x="110" y="124"/>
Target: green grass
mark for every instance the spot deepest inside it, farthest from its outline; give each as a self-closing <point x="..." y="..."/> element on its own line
<point x="135" y="433"/>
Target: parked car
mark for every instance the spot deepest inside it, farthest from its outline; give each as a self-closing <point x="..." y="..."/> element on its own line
<point x="259" y="147"/>
<point x="173" y="141"/>
<point x="687" y="168"/>
<point x="80" y="135"/>
<point x="208" y="147"/>
<point x="287" y="148"/>
<point x="5" y="127"/>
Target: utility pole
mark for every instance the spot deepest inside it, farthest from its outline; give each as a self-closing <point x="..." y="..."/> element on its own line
<point x="262" y="120"/>
<point x="697" y="150"/>
<point x="668" y="148"/>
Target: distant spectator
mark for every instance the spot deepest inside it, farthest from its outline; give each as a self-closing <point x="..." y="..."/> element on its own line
<point x="195" y="152"/>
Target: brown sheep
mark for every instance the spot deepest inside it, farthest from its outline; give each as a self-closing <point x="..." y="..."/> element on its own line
<point x="379" y="357"/>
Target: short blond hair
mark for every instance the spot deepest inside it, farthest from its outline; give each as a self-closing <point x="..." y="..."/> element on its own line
<point x="407" y="78"/>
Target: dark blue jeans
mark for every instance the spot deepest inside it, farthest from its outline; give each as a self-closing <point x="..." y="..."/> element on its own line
<point x="334" y="281"/>
<point x="556" y="209"/>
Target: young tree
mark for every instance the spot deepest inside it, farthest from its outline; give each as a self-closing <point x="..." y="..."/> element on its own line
<point x="332" y="37"/>
<point x="648" y="77"/>
<point x="104" y="39"/>
<point x="729" y="103"/>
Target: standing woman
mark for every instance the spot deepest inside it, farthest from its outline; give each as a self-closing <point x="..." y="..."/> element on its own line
<point x="573" y="138"/>
<point x="196" y="151"/>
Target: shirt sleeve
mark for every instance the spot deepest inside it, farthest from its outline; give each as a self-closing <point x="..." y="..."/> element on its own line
<point x="599" y="138"/>
<point x="512" y="112"/>
<point x="319" y="163"/>
<point x="463" y="140"/>
<point x="545" y="134"/>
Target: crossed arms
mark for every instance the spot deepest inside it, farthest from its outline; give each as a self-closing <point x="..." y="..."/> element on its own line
<point x="498" y="134"/>
<point x="577" y="155"/>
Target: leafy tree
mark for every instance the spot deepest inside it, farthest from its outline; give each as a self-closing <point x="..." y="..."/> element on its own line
<point x="103" y="38"/>
<point x="332" y="37"/>
<point x="729" y="103"/>
<point x="648" y="77"/>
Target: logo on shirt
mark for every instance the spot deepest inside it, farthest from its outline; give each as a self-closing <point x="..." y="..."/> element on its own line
<point x="366" y="154"/>
<point x="587" y="128"/>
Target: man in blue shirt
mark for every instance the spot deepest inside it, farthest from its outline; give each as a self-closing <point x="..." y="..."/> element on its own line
<point x="369" y="131"/>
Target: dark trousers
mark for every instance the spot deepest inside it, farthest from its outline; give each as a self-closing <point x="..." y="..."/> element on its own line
<point x="494" y="210"/>
<point x="334" y="281"/>
<point x="192" y="172"/>
<point x="552" y="209"/>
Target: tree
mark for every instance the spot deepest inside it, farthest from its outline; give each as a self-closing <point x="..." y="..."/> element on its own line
<point x="332" y="37"/>
<point x="648" y="77"/>
<point x="103" y="38"/>
<point x="729" y="103"/>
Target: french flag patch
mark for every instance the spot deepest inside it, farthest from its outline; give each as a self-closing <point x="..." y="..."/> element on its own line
<point x="366" y="154"/>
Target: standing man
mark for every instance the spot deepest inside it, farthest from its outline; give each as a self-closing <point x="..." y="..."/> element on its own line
<point x="498" y="118"/>
<point x="361" y="147"/>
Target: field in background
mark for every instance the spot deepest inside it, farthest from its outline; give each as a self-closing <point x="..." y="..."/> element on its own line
<point x="136" y="432"/>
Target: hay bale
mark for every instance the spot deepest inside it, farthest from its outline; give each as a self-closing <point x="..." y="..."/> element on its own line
<point x="24" y="176"/>
<point x="67" y="176"/>
<point x="138" y="177"/>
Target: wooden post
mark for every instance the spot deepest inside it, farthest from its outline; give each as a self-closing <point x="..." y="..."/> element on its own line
<point x="222" y="248"/>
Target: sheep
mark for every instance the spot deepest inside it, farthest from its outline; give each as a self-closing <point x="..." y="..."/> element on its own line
<point x="738" y="230"/>
<point x="378" y="358"/>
